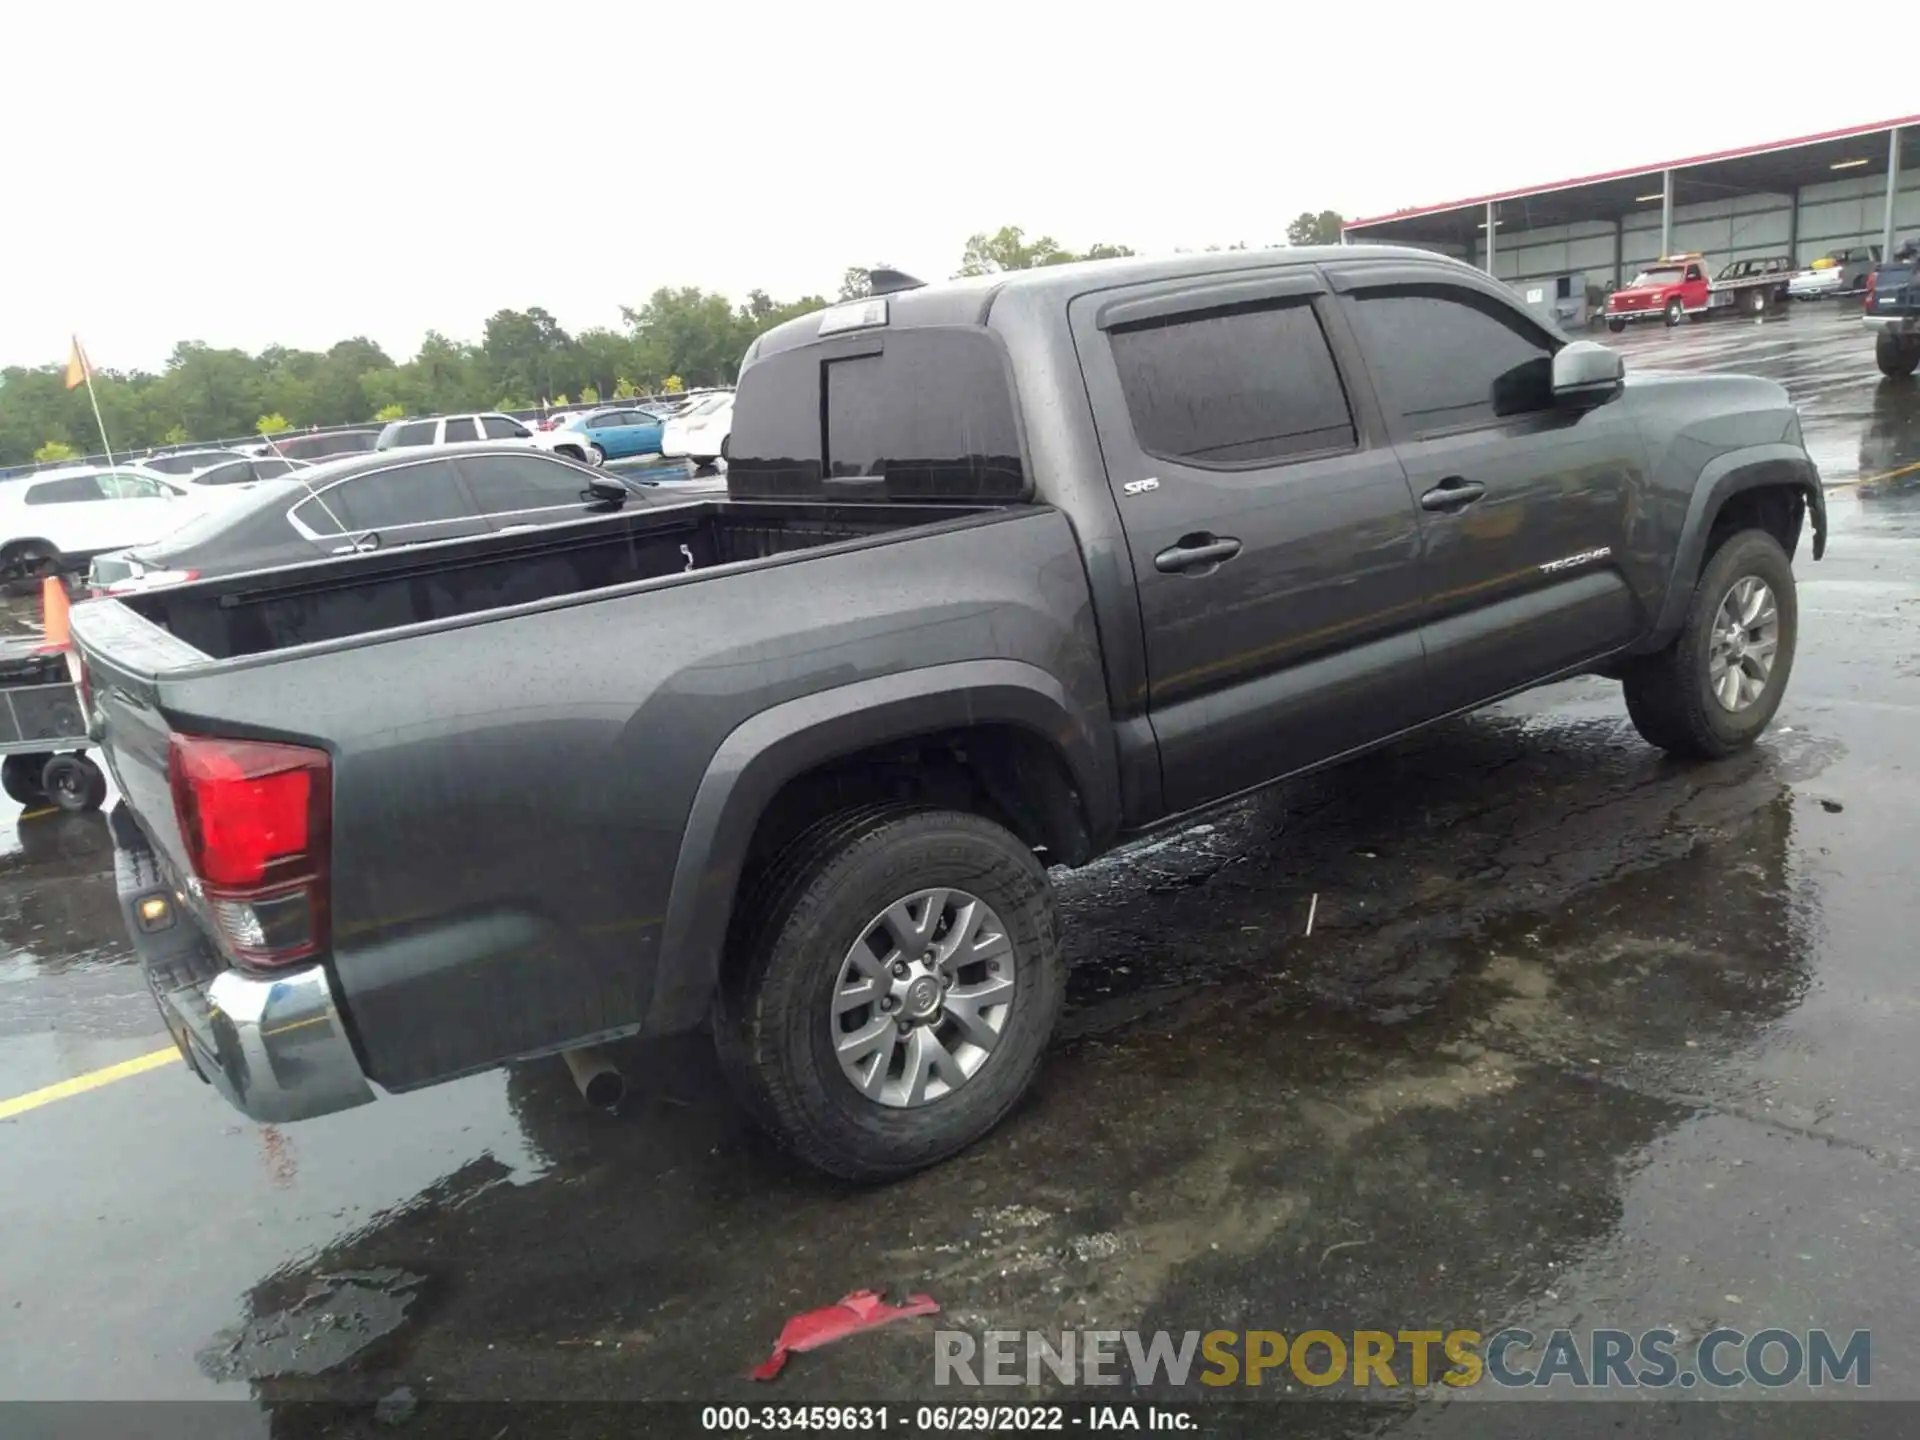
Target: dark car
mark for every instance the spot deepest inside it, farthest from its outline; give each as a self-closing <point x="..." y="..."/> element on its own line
<point x="365" y="502"/>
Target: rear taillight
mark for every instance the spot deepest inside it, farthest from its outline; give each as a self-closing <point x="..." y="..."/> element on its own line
<point x="256" y="818"/>
<point x="1873" y="280"/>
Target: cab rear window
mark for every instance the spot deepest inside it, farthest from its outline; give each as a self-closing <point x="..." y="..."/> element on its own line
<point x="906" y="415"/>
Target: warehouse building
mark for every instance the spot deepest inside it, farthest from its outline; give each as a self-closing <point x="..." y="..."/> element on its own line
<point x="1573" y="239"/>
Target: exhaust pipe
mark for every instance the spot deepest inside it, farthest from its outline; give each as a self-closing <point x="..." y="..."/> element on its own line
<point x="597" y="1077"/>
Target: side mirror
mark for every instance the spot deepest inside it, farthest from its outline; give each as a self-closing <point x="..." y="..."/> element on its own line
<point x="1586" y="374"/>
<point x="611" y="492"/>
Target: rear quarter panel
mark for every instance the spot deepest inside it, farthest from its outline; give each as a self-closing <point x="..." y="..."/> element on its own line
<point x="510" y="796"/>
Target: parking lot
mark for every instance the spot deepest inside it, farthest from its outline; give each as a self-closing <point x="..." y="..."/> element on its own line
<point x="1579" y="1037"/>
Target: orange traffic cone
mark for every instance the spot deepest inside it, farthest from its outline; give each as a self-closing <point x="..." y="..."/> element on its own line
<point x="54" y="605"/>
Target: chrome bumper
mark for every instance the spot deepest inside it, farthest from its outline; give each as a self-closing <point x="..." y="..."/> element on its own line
<point x="1899" y="324"/>
<point x="273" y="1044"/>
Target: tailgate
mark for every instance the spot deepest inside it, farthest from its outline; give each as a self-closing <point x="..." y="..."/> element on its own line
<point x="125" y="656"/>
<point x="1893" y="289"/>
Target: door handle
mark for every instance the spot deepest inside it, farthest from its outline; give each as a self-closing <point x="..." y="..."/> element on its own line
<point x="1195" y="552"/>
<point x="1452" y="493"/>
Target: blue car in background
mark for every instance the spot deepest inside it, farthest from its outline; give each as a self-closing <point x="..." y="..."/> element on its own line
<point x="615" y="432"/>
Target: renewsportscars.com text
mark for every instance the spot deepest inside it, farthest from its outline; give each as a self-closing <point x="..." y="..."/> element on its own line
<point x="1512" y="1357"/>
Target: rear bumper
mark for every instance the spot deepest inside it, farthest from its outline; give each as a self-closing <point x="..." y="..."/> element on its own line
<point x="1898" y="324"/>
<point x="273" y="1045"/>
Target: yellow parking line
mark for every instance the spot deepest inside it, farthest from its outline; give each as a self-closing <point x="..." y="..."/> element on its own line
<point x="36" y="814"/>
<point x="1889" y="474"/>
<point x="80" y="1084"/>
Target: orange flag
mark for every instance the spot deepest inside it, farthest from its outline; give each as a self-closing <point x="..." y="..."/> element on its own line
<point x="78" y="371"/>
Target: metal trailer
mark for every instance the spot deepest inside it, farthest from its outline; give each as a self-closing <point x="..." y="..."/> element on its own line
<point x="1764" y="283"/>
<point x="43" y="730"/>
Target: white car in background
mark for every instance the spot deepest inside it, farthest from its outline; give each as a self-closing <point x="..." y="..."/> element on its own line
<point x="481" y="428"/>
<point x="673" y="439"/>
<point x="707" y="434"/>
<point x="58" y="520"/>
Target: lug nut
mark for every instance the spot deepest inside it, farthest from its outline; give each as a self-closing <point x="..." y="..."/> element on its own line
<point x="906" y="1027"/>
<point x="899" y="969"/>
<point x="946" y="982"/>
<point x="887" y="1002"/>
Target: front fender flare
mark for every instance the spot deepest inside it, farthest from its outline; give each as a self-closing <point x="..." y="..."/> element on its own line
<point x="763" y="753"/>
<point x="1727" y="475"/>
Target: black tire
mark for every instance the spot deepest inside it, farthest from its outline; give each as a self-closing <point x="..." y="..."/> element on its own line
<point x="726" y="452"/>
<point x="797" y="923"/>
<point x="1675" y="309"/>
<point x="20" y="778"/>
<point x="1897" y="355"/>
<point x="1616" y="326"/>
<point x="1668" y="697"/>
<point x="25" y="563"/>
<point x="74" y="783"/>
<point x="1757" y="301"/>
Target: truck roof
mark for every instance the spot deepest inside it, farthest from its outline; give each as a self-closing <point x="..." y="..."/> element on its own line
<point x="966" y="300"/>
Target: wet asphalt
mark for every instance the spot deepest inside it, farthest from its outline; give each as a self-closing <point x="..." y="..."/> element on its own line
<point x="1580" y="1036"/>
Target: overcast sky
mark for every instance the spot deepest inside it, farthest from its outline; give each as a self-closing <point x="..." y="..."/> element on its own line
<point x="246" y="174"/>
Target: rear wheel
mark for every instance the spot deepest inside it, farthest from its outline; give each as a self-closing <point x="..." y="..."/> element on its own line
<point x="1717" y="686"/>
<point x="1675" y="309"/>
<point x="1897" y="355"/>
<point x="1757" y="301"/>
<point x="1616" y="326"/>
<point x="73" y="782"/>
<point x="25" y="563"/>
<point x="596" y="454"/>
<point x="892" y="984"/>
<point x="20" y="778"/>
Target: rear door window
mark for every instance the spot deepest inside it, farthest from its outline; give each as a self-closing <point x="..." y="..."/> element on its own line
<point x="911" y="414"/>
<point x="1250" y="385"/>
<point x="71" y="491"/>
<point x="500" y="427"/>
<point x="462" y="428"/>
<point x="408" y="495"/>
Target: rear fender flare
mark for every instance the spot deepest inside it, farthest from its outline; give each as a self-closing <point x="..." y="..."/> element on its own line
<point x="763" y="753"/>
<point x="1725" y="476"/>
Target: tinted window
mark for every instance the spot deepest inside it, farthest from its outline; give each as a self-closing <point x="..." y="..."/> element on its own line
<point x="411" y="495"/>
<point x="269" y="469"/>
<point x="462" y="429"/>
<point x="173" y="464"/>
<point x="318" y="515"/>
<point x="1444" y="357"/>
<point x="931" y="416"/>
<point x="499" y="427"/>
<point x="66" y="492"/>
<point x="414" y="432"/>
<point x="236" y="473"/>
<point x="521" y="482"/>
<point x="1233" y="387"/>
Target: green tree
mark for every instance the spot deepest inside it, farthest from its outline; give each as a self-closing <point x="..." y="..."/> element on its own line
<point x="1009" y="249"/>
<point x="387" y="414"/>
<point x="672" y="385"/>
<point x="691" y="333"/>
<point x="273" y="424"/>
<point x="1101" y="251"/>
<point x="176" y="435"/>
<point x="623" y="389"/>
<point x="1311" y="229"/>
<point x="54" y="450"/>
<point x="589" y="395"/>
<point x="527" y="353"/>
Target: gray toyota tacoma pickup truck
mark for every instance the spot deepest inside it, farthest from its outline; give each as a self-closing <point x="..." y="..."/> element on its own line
<point x="1009" y="570"/>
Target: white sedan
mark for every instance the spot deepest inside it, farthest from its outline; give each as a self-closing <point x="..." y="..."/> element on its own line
<point x="673" y="439"/>
<point x="707" y="433"/>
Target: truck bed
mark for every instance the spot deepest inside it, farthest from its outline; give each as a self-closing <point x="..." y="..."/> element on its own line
<point x="336" y="600"/>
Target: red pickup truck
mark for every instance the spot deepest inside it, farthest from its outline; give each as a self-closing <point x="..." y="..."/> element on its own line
<point x="1677" y="285"/>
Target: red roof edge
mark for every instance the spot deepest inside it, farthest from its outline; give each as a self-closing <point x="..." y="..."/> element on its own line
<point x="1842" y="134"/>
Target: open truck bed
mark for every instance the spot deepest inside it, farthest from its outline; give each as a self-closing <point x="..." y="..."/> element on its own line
<point x="314" y="604"/>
